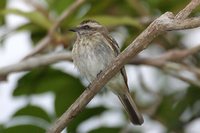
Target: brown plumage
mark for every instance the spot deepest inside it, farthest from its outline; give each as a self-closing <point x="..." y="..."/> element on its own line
<point x="94" y="50"/>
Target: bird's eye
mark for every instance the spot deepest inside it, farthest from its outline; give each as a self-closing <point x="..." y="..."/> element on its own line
<point x="86" y="27"/>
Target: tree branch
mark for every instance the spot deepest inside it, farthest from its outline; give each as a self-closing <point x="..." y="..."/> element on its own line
<point x="163" y="62"/>
<point x="53" y="58"/>
<point x="185" y="79"/>
<point x="140" y="43"/>
<point x="172" y="55"/>
<point x="34" y="62"/>
<point x="184" y="24"/>
<point x="183" y="14"/>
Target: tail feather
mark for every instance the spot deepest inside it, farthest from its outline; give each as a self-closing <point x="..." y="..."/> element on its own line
<point x="130" y="107"/>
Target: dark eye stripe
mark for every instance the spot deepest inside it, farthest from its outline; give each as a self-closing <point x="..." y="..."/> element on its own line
<point x="86" y="27"/>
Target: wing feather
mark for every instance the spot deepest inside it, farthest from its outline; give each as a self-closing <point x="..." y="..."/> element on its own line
<point x="115" y="47"/>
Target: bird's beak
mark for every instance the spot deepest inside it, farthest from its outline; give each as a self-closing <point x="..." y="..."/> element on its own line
<point x="75" y="29"/>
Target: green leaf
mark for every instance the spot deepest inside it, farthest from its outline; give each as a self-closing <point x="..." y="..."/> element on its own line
<point x="60" y="6"/>
<point x="37" y="35"/>
<point x="86" y="114"/>
<point x="188" y="100"/>
<point x="65" y="97"/>
<point x="2" y="6"/>
<point x="31" y="27"/>
<point x="24" y="129"/>
<point x="173" y="106"/>
<point x="36" y="32"/>
<point x="106" y="130"/>
<point x="32" y="110"/>
<point x="99" y="7"/>
<point x="163" y="5"/>
<point x="34" y="16"/>
<point x="45" y="79"/>
<point x="1" y="128"/>
<point x="167" y="113"/>
<point x="193" y="95"/>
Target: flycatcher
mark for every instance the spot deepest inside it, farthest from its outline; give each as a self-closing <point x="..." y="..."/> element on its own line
<point x="94" y="50"/>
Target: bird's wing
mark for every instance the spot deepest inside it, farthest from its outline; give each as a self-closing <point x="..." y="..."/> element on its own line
<point x="113" y="44"/>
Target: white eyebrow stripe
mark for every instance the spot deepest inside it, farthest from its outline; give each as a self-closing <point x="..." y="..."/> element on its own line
<point x="92" y="24"/>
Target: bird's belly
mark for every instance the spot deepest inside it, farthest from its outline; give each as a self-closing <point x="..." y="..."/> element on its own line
<point x="92" y="60"/>
<point x="93" y="66"/>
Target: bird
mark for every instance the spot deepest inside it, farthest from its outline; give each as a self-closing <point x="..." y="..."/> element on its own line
<point x="93" y="50"/>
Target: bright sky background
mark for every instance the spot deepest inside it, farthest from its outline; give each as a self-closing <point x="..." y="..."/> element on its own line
<point x="18" y="45"/>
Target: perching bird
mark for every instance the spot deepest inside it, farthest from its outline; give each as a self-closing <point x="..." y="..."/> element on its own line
<point x="94" y="50"/>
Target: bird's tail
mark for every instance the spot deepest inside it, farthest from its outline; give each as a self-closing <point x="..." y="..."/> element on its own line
<point x="130" y="107"/>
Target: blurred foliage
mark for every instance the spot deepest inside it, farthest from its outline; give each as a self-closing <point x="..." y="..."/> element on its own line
<point x="24" y="129"/>
<point x="88" y="113"/>
<point x="105" y="130"/>
<point x="34" y="111"/>
<point x="35" y="81"/>
<point x="114" y="14"/>
<point x="35" y="17"/>
<point x="176" y="106"/>
<point x="2" y="6"/>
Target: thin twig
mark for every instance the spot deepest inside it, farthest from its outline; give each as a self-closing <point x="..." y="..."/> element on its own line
<point x="39" y="47"/>
<point x="163" y="60"/>
<point x="38" y="7"/>
<point x="186" y="23"/>
<point x="172" y="55"/>
<point x="146" y="20"/>
<point x="139" y="7"/>
<point x="66" y="14"/>
<point x="49" y="37"/>
<point x="140" y="43"/>
<point x="185" y="79"/>
<point x="160" y="61"/>
<point x="34" y="62"/>
<point x="187" y="10"/>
